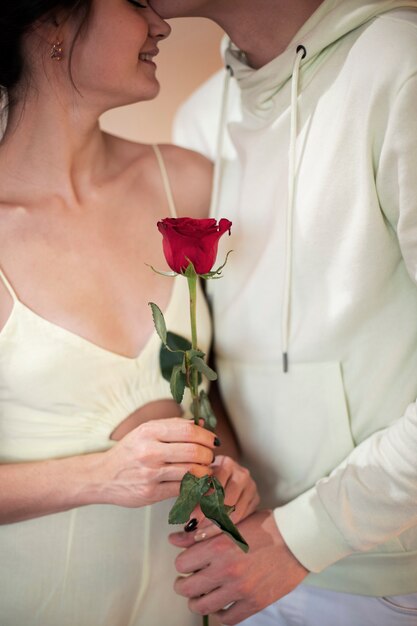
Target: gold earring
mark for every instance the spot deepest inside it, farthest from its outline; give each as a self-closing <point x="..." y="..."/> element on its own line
<point x="57" y="52"/>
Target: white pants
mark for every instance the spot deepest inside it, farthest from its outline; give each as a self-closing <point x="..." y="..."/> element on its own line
<point x="311" y="606"/>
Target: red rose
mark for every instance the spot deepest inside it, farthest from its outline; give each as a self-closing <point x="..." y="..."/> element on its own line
<point x="186" y="239"/>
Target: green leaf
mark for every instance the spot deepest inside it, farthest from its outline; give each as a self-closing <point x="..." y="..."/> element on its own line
<point x="192" y="353"/>
<point x="161" y="273"/>
<point x="214" y="508"/>
<point x="172" y="354"/>
<point x="159" y="322"/>
<point x="216" y="274"/>
<point x="177" y="384"/>
<point x="191" y="491"/>
<point x="203" y="368"/>
<point x="206" y="412"/>
<point x="169" y="358"/>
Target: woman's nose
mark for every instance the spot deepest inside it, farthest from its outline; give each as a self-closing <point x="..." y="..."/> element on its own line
<point x="158" y="28"/>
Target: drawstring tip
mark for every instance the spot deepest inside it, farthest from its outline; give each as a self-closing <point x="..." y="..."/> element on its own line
<point x="285" y="362"/>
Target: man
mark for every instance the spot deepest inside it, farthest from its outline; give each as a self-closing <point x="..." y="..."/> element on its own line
<point x="322" y="192"/>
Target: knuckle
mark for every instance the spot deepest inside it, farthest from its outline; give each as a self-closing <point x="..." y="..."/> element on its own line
<point x="147" y="492"/>
<point x="188" y="430"/>
<point x="235" y="571"/>
<point x="244" y="588"/>
<point x="147" y="475"/>
<point x="217" y="547"/>
<point x="146" y="430"/>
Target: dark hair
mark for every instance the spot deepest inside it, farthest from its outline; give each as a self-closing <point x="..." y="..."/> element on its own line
<point x="17" y="17"/>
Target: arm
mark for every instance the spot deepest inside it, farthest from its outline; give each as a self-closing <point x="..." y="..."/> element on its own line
<point x="146" y="466"/>
<point x="368" y="498"/>
<point x="372" y="495"/>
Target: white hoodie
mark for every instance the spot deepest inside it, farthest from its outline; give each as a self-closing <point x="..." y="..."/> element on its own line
<point x="325" y="269"/>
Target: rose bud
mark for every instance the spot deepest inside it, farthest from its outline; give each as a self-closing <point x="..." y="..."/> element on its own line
<point x="186" y="239"/>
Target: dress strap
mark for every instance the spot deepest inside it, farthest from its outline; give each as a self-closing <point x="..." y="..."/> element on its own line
<point x="8" y="286"/>
<point x="165" y="180"/>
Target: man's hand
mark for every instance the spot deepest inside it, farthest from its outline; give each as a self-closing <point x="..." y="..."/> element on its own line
<point x="222" y="574"/>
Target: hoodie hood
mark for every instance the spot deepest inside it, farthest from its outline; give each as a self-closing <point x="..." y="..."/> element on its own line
<point x="330" y="22"/>
<point x="263" y="94"/>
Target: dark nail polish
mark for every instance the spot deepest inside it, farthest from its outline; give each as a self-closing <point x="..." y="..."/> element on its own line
<point x="217" y="442"/>
<point x="191" y="525"/>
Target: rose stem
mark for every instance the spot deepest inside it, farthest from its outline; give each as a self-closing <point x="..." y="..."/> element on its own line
<point x="192" y="288"/>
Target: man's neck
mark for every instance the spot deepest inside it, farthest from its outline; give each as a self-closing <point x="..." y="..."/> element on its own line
<point x="262" y="29"/>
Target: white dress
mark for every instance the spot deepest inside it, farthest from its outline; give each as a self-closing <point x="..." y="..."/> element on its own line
<point x="61" y="395"/>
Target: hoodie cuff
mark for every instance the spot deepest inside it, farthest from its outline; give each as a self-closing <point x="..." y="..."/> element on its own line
<point x="310" y="533"/>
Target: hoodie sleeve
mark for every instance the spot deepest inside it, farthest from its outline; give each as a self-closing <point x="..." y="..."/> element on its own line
<point x="372" y="495"/>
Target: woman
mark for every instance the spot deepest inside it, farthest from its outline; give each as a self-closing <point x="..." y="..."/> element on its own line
<point x="85" y="417"/>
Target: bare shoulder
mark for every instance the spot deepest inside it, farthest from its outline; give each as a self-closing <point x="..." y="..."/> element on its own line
<point x="124" y="152"/>
<point x="190" y="175"/>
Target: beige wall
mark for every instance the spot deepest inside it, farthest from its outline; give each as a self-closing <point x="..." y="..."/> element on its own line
<point x="187" y="57"/>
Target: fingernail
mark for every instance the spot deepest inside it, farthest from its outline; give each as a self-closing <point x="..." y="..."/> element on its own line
<point x="217" y="442"/>
<point x="191" y="525"/>
<point x="200" y="537"/>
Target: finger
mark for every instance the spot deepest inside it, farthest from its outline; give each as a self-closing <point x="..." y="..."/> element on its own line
<point x="181" y="540"/>
<point x="206" y="533"/>
<point x="243" y="506"/>
<point x="198" y="556"/>
<point x="208" y="530"/>
<point x="163" y="491"/>
<point x="236" y="613"/>
<point x="180" y="430"/>
<point x="212" y="602"/>
<point x="195" y="585"/>
<point x="176" y="471"/>
<point x="186" y="453"/>
<point x="195" y="519"/>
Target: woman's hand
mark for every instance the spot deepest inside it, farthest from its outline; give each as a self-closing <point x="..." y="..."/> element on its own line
<point x="240" y="491"/>
<point x="148" y="464"/>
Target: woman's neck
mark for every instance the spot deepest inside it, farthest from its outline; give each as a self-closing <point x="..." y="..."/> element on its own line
<point x="51" y="147"/>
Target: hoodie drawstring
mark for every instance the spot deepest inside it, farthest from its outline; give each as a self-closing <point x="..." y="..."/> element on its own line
<point x="286" y="299"/>
<point x="301" y="52"/>
<point x="218" y="162"/>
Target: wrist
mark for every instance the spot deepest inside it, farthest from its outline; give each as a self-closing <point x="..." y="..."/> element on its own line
<point x="85" y="481"/>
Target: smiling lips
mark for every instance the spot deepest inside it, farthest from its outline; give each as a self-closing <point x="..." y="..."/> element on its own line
<point x="148" y="56"/>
